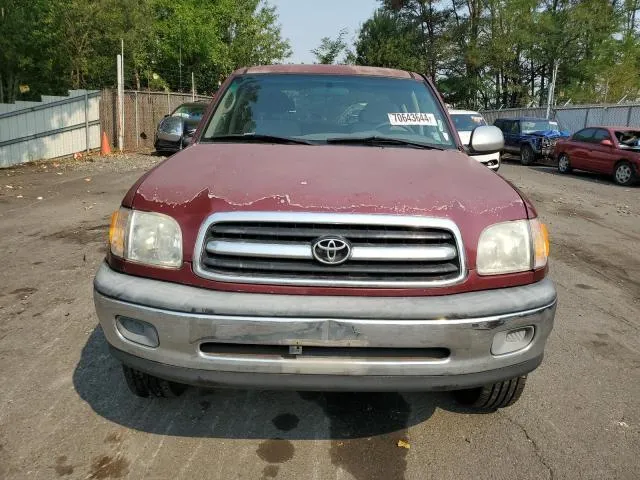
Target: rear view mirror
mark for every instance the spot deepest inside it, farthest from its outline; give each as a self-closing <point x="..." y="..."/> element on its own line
<point x="486" y="139"/>
<point x="606" y="143"/>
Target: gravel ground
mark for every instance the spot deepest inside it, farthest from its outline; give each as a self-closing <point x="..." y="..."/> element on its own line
<point x="65" y="411"/>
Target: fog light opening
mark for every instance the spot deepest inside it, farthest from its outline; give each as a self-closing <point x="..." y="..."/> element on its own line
<point x="138" y="331"/>
<point x="512" y="340"/>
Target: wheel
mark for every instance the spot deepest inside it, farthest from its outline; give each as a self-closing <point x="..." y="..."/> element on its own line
<point x="564" y="166"/>
<point x="624" y="174"/>
<point x="492" y="397"/>
<point x="144" y="385"/>
<point x="527" y="157"/>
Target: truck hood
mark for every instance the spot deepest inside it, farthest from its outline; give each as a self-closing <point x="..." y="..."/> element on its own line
<point x="549" y="134"/>
<point x="207" y="178"/>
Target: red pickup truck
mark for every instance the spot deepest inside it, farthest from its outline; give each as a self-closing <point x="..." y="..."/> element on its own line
<point x="326" y="230"/>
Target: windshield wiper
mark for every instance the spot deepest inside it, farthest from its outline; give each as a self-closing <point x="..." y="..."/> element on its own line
<point x="377" y="140"/>
<point x="257" y="138"/>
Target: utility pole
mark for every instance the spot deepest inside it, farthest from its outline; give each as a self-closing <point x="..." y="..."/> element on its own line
<point x="193" y="88"/>
<point x="552" y="88"/>
<point x="120" y="104"/>
<point x="180" y="57"/>
<point x="121" y="136"/>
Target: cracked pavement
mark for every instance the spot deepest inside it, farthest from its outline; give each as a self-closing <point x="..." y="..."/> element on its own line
<point x="65" y="411"/>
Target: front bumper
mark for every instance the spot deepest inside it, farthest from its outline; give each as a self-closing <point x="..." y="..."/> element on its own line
<point x="188" y="319"/>
<point x="491" y="160"/>
<point x="167" y="145"/>
<point x="546" y="151"/>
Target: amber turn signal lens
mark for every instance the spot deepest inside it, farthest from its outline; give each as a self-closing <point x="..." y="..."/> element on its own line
<point x="117" y="230"/>
<point x="540" y="236"/>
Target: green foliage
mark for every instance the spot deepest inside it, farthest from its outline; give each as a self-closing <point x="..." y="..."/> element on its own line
<point x="74" y="43"/>
<point x="24" y="34"/>
<point x="330" y="49"/>
<point x="501" y="53"/>
<point x="386" y="40"/>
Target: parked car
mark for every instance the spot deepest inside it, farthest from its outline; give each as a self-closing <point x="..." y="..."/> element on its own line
<point x="611" y="150"/>
<point x="292" y="246"/>
<point x="530" y="138"/>
<point x="465" y="122"/>
<point x="174" y="131"/>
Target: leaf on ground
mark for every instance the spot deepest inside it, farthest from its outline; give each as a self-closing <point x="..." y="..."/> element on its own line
<point x="403" y="444"/>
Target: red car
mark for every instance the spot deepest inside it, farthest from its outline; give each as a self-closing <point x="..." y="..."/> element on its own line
<point x="611" y="150"/>
<point x="326" y="230"/>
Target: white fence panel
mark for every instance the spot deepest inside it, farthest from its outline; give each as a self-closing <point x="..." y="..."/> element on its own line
<point x="54" y="127"/>
<point x="574" y="118"/>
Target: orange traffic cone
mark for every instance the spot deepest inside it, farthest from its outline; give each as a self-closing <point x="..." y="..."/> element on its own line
<point x="105" y="148"/>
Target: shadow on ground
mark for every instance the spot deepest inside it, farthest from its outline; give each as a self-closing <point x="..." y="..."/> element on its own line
<point x="225" y="413"/>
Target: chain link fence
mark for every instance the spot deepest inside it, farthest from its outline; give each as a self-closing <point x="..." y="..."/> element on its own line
<point x="573" y="118"/>
<point x="142" y="113"/>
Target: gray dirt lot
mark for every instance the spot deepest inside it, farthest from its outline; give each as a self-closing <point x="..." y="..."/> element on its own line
<point x="65" y="410"/>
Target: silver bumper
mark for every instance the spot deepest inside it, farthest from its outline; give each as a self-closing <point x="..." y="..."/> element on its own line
<point x="186" y="318"/>
<point x="491" y="160"/>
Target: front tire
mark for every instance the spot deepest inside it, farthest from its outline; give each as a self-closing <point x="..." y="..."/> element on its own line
<point x="624" y="174"/>
<point x="564" y="165"/>
<point x="527" y="156"/>
<point x="494" y="396"/>
<point x="144" y="385"/>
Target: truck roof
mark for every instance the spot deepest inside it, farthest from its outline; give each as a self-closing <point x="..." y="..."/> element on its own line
<point x="328" y="70"/>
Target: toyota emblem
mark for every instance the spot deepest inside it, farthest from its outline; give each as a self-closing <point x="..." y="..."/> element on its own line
<point x="331" y="250"/>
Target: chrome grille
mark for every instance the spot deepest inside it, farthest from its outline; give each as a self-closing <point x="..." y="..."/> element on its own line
<point x="277" y="248"/>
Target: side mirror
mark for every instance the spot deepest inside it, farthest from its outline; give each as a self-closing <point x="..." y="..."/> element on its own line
<point x="486" y="139"/>
<point x="606" y="143"/>
<point x="188" y="136"/>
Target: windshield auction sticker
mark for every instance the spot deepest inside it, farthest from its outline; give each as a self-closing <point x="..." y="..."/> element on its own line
<point x="412" y="119"/>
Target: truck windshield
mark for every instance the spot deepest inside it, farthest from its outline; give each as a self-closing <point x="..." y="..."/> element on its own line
<point x="538" y="126"/>
<point x="466" y="122"/>
<point x="317" y="108"/>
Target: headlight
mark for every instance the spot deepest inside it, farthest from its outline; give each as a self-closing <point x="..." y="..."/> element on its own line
<point x="511" y="247"/>
<point x="146" y="237"/>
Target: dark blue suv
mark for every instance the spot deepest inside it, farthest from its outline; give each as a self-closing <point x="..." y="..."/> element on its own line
<point x="531" y="138"/>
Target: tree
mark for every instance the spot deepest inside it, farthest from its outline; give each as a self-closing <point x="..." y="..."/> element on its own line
<point x="330" y="49"/>
<point x="388" y="40"/>
<point x="74" y="43"/>
<point x="428" y="19"/>
<point x="26" y="56"/>
<point x="502" y="53"/>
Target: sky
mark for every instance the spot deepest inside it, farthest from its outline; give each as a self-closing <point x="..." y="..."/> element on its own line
<point x="305" y="22"/>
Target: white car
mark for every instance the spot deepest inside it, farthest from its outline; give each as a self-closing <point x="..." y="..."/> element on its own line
<point x="465" y="121"/>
